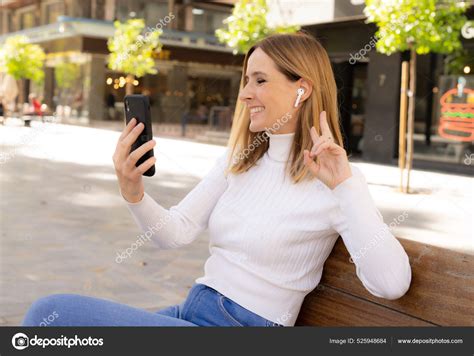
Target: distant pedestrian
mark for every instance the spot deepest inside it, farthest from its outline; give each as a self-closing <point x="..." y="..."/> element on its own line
<point x="110" y="101"/>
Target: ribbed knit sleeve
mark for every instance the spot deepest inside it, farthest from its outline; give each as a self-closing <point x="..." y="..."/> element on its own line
<point x="182" y="223"/>
<point x="381" y="263"/>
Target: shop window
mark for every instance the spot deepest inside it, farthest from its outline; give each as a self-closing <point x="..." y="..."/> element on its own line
<point x="52" y="12"/>
<point x="155" y="11"/>
<point x="452" y="127"/>
<point x="207" y="21"/>
<point x="126" y="9"/>
<point x="27" y="20"/>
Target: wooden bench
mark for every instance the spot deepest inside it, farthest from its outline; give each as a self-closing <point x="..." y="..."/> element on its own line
<point x="441" y="292"/>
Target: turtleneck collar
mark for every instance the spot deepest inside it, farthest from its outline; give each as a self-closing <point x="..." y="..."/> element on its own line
<point x="280" y="146"/>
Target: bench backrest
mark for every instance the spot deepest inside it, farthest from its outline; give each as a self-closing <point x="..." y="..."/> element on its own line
<point x="441" y="292"/>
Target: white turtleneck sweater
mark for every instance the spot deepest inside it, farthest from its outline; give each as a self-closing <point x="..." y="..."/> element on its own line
<point x="269" y="237"/>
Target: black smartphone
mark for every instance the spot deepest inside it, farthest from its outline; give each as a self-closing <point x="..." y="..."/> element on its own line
<point x="138" y="107"/>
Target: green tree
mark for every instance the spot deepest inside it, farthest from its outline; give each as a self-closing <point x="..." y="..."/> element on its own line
<point x="455" y="62"/>
<point x="22" y="60"/>
<point x="66" y="74"/>
<point x="131" y="51"/>
<point x="247" y="25"/>
<point x="421" y="27"/>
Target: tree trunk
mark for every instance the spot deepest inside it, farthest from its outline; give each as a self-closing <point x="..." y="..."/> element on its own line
<point x="411" y="115"/>
<point x="403" y="123"/>
<point x="21" y="97"/>
<point x="129" y="84"/>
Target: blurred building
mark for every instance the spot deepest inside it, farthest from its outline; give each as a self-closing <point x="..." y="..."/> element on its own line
<point x="193" y="67"/>
<point x="369" y="87"/>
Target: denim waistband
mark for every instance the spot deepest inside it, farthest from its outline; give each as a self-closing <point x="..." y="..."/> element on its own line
<point x="205" y="306"/>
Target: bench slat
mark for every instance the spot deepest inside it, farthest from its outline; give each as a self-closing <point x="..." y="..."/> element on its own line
<point x="442" y="289"/>
<point x="330" y="307"/>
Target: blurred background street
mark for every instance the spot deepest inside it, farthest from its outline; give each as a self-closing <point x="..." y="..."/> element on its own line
<point x="66" y="66"/>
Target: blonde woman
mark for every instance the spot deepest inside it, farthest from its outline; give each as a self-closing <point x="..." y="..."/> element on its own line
<point x="275" y="204"/>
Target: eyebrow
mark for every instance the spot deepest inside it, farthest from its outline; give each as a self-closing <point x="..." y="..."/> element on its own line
<point x="255" y="74"/>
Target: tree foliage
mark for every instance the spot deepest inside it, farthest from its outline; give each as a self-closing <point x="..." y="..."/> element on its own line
<point x="427" y="25"/>
<point x="247" y="25"/>
<point x="21" y="59"/>
<point x="66" y="74"/>
<point x="131" y="51"/>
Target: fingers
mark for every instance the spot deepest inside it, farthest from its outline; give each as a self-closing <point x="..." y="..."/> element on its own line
<point x="310" y="163"/>
<point x="325" y="140"/>
<point x="124" y="145"/>
<point x="328" y="146"/>
<point x="139" y="152"/>
<point x="324" y="126"/>
<point x="132" y="137"/>
<point x="142" y="168"/>
<point x="321" y="140"/>
<point x="128" y="128"/>
<point x="323" y="123"/>
<point x="314" y="134"/>
<point x="323" y="146"/>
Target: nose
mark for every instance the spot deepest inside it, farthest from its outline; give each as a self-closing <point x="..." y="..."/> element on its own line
<point x="245" y="94"/>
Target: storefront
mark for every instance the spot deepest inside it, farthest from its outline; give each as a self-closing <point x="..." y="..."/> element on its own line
<point x="446" y="138"/>
<point x="185" y="80"/>
<point x="369" y="98"/>
<point x="193" y="69"/>
<point x="351" y="75"/>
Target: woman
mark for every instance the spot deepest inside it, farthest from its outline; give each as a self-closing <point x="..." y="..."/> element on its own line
<point x="275" y="204"/>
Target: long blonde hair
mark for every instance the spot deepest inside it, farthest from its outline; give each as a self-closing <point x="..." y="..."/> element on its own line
<point x="297" y="55"/>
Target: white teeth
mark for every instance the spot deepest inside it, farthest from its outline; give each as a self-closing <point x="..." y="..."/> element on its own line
<point x="254" y="110"/>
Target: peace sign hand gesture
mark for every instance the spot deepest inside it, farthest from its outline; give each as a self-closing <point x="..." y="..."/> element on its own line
<point x="333" y="166"/>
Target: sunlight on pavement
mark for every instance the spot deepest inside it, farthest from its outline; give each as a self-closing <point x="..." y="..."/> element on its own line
<point x="89" y="146"/>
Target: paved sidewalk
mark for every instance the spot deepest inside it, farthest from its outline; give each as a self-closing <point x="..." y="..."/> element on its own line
<point x="63" y="220"/>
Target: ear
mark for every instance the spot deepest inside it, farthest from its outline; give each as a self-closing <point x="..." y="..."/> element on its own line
<point x="308" y="88"/>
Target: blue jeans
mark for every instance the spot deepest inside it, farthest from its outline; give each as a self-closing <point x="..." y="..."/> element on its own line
<point x="204" y="306"/>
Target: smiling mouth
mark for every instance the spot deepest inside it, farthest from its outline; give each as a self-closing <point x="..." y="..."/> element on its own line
<point x="256" y="110"/>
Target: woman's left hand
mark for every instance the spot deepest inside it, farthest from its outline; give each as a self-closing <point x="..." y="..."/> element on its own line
<point x="333" y="166"/>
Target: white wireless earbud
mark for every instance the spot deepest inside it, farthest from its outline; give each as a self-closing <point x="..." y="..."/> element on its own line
<point x="300" y="92"/>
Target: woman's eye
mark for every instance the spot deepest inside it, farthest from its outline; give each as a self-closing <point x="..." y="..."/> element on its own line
<point x="260" y="81"/>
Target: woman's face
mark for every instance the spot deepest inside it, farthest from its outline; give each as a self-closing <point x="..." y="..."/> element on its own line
<point x="269" y="95"/>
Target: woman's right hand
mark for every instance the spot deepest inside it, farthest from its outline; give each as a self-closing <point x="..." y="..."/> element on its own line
<point x="130" y="177"/>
